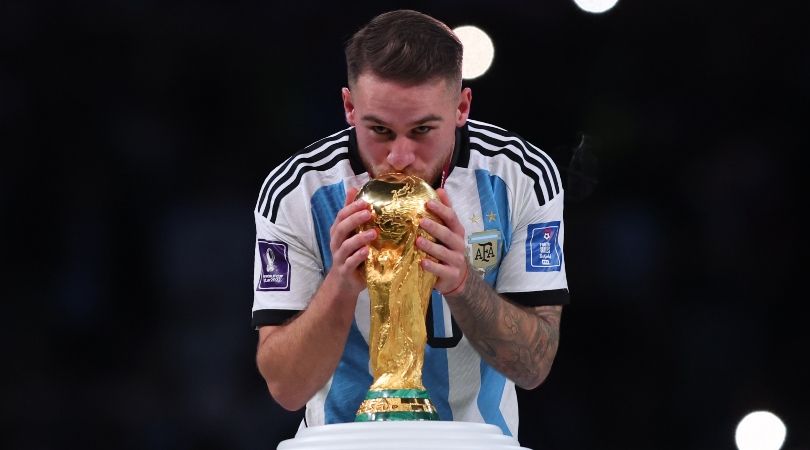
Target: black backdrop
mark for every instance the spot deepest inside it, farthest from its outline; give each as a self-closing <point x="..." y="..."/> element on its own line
<point x="136" y="135"/>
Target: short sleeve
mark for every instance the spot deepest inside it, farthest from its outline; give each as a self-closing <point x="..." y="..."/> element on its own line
<point x="533" y="270"/>
<point x="287" y="268"/>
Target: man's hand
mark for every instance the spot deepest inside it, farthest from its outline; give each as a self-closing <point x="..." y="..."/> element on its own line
<point x="350" y="249"/>
<point x="519" y="342"/>
<point x="449" y="250"/>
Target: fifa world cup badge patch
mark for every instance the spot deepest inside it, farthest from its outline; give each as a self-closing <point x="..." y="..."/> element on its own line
<point x="275" y="270"/>
<point x="484" y="249"/>
<point x="543" y="252"/>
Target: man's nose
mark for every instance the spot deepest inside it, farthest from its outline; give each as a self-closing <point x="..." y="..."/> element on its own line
<point x="401" y="153"/>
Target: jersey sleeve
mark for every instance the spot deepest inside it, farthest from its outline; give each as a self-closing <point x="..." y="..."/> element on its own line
<point x="533" y="270"/>
<point x="287" y="268"/>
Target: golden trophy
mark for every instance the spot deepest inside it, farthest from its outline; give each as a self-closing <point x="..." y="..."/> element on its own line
<point x="399" y="291"/>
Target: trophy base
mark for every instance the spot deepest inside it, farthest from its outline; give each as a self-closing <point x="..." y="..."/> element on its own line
<point x="396" y="404"/>
<point x="402" y="435"/>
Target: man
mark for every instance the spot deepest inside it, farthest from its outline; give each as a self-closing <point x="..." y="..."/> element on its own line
<point x="495" y="309"/>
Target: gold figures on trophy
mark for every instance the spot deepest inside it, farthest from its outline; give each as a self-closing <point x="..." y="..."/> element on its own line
<point x="399" y="291"/>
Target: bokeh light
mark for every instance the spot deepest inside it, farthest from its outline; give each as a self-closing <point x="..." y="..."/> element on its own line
<point x="478" y="51"/>
<point x="596" y="6"/>
<point x="760" y="430"/>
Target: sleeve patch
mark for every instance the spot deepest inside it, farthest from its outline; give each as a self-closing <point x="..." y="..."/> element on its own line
<point x="543" y="252"/>
<point x="275" y="274"/>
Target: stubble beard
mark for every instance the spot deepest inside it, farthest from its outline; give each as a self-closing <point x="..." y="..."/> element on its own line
<point x="432" y="176"/>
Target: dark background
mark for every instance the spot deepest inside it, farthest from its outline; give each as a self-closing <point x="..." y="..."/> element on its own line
<point x="136" y="136"/>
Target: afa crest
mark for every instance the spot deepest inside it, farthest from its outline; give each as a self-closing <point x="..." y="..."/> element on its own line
<point x="484" y="249"/>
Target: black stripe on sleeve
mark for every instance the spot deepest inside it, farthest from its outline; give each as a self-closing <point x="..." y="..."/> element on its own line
<point x="529" y="149"/>
<point x="300" y="165"/>
<point x="541" y="199"/>
<point x="291" y="187"/>
<point x="530" y="154"/>
<point x="289" y="166"/>
<point x="549" y="162"/>
<point x="527" y="161"/>
<point x="264" y="317"/>
<point x="539" y="298"/>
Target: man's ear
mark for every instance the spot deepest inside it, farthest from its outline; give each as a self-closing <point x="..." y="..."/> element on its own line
<point x="463" y="110"/>
<point x="348" y="106"/>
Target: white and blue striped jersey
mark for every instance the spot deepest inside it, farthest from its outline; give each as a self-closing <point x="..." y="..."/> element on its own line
<point x="508" y="195"/>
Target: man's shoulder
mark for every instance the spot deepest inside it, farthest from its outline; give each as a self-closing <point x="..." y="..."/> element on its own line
<point x="323" y="162"/>
<point x="492" y="141"/>
<point x="322" y="148"/>
<point x="479" y="129"/>
<point x="514" y="159"/>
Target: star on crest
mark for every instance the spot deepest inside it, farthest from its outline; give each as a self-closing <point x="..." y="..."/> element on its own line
<point x="491" y="216"/>
<point x="474" y="218"/>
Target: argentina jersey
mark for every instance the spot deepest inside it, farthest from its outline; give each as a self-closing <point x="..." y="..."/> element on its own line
<point x="508" y="196"/>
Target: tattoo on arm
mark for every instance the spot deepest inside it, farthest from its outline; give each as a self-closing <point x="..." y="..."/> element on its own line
<point x="520" y="342"/>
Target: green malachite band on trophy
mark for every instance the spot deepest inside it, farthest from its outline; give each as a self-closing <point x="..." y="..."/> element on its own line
<point x="396" y="415"/>
<point x="396" y="404"/>
<point x="397" y="393"/>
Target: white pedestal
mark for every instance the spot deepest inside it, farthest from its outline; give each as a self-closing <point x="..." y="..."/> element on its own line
<point x="405" y="435"/>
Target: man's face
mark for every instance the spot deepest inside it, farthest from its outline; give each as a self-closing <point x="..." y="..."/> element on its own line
<point x="408" y="129"/>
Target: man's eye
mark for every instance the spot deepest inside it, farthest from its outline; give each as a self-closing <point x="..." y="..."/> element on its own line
<point x="422" y="129"/>
<point x="377" y="129"/>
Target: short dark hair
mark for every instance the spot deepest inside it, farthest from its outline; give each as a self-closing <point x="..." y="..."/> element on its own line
<point x="405" y="46"/>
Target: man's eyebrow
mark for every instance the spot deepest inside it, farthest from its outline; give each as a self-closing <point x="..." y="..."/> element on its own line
<point x="372" y="118"/>
<point x="427" y="118"/>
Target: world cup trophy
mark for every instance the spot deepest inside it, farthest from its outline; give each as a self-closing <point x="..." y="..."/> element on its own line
<point x="399" y="291"/>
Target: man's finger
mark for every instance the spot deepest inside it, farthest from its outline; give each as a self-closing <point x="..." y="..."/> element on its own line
<point x="341" y="230"/>
<point x="351" y="207"/>
<point x="443" y="210"/>
<point x="350" y="195"/>
<point x="440" y="252"/>
<point x="443" y="234"/>
<point x="350" y="246"/>
<point x="442" y="193"/>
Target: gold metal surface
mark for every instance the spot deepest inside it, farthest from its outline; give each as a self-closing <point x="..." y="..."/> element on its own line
<point x="379" y="405"/>
<point x="399" y="289"/>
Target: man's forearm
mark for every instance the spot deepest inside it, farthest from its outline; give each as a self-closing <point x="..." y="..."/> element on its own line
<point x="520" y="342"/>
<point x="297" y="359"/>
